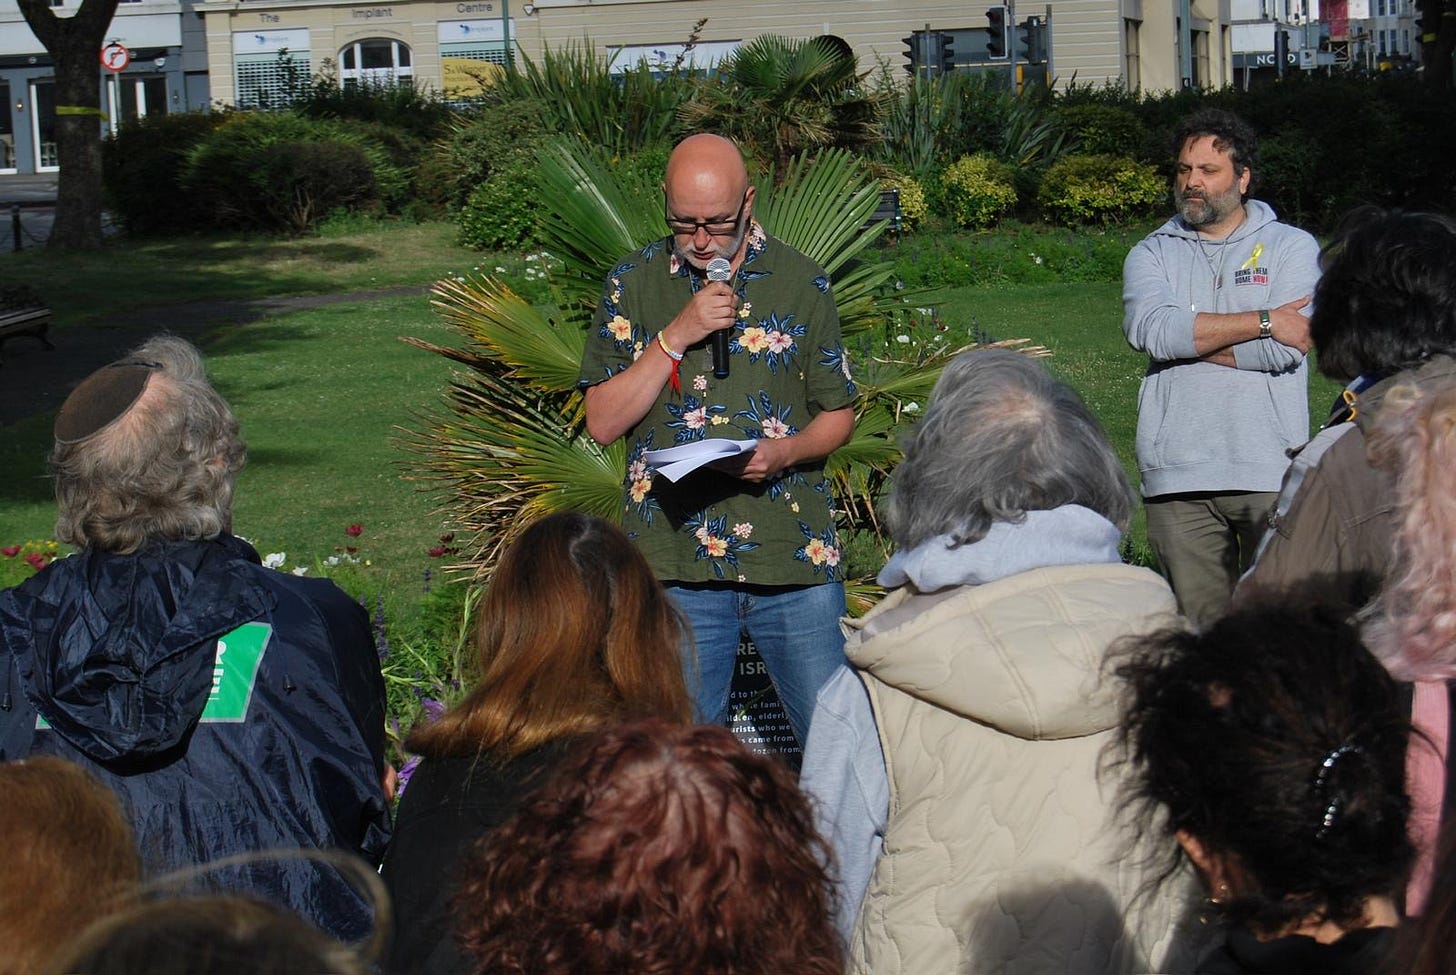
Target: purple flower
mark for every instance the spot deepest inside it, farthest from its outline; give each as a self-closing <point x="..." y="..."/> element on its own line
<point x="405" y="771"/>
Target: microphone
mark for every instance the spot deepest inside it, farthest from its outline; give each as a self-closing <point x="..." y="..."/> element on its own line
<point x="720" y="270"/>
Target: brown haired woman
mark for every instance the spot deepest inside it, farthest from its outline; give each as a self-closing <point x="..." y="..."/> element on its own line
<point x="659" y="848"/>
<point x="574" y="634"/>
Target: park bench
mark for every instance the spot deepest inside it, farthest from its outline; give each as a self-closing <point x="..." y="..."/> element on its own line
<point x="23" y="313"/>
<point x="888" y="209"/>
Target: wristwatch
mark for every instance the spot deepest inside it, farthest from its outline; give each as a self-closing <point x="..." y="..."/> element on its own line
<point x="1266" y="328"/>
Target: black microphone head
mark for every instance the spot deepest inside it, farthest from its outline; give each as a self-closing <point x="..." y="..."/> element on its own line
<point x="719" y="269"/>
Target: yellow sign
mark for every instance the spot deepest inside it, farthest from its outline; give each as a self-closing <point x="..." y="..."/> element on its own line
<point x="467" y="77"/>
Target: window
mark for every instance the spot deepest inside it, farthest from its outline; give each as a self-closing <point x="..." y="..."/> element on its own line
<point x="271" y="80"/>
<point x="134" y="96"/>
<point x="7" y="130"/>
<point x="376" y="61"/>
<point x="43" y="125"/>
<point x="1201" y="77"/>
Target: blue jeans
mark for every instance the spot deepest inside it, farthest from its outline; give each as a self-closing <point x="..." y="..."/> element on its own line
<point x="796" y="631"/>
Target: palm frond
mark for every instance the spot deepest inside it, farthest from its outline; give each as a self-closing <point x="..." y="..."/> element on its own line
<point x="534" y="347"/>
<point x="594" y="217"/>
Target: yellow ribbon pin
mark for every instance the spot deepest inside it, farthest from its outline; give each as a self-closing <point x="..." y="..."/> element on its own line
<point x="1254" y="256"/>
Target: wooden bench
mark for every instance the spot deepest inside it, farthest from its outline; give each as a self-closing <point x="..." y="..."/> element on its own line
<point x="889" y="210"/>
<point x="23" y="313"/>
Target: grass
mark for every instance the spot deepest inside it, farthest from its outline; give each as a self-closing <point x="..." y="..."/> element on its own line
<point x="147" y="273"/>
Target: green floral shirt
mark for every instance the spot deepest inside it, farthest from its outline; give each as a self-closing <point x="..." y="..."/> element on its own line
<point x="787" y="365"/>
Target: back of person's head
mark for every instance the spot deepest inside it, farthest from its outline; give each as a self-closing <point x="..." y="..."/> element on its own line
<point x="573" y="633"/>
<point x="69" y="858"/>
<point x="1275" y="741"/>
<point x="1001" y="437"/>
<point x="659" y="848"/>
<point x="1411" y="626"/>
<point x="208" y="935"/>
<point x="145" y="449"/>
<point x="1230" y="133"/>
<point x="1386" y="298"/>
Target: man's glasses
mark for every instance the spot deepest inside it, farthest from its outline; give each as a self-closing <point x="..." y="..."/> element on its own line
<point x="715" y="228"/>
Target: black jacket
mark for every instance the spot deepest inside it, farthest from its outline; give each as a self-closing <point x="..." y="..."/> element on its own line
<point x="230" y="707"/>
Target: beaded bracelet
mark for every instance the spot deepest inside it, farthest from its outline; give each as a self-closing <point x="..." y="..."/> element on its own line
<point x="674" y="356"/>
<point x="675" y="380"/>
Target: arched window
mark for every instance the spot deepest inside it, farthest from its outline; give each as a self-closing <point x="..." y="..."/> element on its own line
<point x="375" y="61"/>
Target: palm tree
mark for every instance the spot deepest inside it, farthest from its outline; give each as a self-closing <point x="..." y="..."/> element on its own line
<point x="780" y="98"/>
<point x="510" y="444"/>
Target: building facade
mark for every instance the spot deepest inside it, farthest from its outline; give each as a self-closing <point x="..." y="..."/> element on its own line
<point x="1136" y="43"/>
<point x="167" y="72"/>
<point x="189" y="54"/>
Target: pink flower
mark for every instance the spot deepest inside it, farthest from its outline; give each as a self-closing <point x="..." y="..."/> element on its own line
<point x="696" y="419"/>
<point x="779" y="342"/>
<point x="10" y="551"/>
<point x="435" y="552"/>
<point x="354" y="531"/>
<point x="774" y="428"/>
<point x="743" y="529"/>
<point x="831" y="555"/>
<point x="36" y="560"/>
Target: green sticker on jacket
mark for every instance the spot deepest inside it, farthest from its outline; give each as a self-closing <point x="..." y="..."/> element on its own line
<point x="234" y="673"/>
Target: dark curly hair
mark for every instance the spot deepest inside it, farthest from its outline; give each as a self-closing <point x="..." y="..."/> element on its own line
<point x="1228" y="732"/>
<point x="660" y="849"/>
<point x="1230" y="133"/>
<point x="1386" y="298"/>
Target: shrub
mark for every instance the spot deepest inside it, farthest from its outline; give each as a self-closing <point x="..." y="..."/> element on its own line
<point x="250" y="172"/>
<point x="308" y="180"/>
<point x="913" y="205"/>
<point x="501" y="213"/>
<point x="978" y="190"/>
<point x="142" y="166"/>
<point x="503" y="135"/>
<point x="1099" y="189"/>
<point x="1106" y="130"/>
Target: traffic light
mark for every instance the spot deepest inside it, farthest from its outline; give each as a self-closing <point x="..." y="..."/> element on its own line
<point x="915" y="53"/>
<point x="1032" y="37"/>
<point x="942" y="52"/>
<point x="996" y="32"/>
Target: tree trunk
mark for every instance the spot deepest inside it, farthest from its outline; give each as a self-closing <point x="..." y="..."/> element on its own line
<point x="74" y="44"/>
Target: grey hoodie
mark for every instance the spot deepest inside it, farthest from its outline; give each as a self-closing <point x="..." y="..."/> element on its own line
<point x="1204" y="426"/>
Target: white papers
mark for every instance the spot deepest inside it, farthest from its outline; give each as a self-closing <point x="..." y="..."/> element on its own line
<point x="675" y="463"/>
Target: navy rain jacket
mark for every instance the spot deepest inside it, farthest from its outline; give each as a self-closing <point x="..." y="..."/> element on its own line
<point x="230" y="707"/>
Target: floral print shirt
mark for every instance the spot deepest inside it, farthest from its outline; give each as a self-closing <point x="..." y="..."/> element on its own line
<point x="787" y="365"/>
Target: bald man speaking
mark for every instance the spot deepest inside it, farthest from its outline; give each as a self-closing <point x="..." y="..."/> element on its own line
<point x="747" y="544"/>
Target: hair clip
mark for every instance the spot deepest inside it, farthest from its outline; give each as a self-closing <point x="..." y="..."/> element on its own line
<point x="1332" y="811"/>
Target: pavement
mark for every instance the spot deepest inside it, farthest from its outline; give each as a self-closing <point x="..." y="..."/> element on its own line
<point x="36" y="194"/>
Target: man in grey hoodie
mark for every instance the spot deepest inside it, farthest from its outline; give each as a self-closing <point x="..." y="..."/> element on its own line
<point x="1216" y="297"/>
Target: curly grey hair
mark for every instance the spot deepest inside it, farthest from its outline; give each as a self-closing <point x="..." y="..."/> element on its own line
<point x="1001" y="437"/>
<point x="163" y="470"/>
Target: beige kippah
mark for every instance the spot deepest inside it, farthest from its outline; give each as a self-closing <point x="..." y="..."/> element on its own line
<point x="102" y="399"/>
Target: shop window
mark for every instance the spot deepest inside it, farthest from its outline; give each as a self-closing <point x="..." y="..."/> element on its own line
<point x="375" y="61"/>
